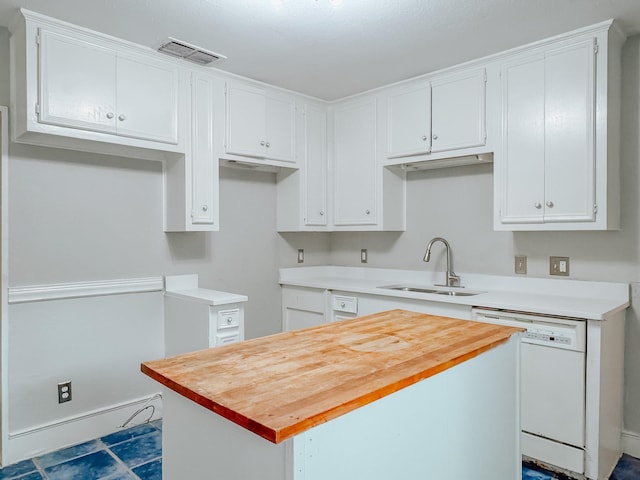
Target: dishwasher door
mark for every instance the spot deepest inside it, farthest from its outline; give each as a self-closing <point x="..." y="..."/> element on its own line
<point x="552" y="385"/>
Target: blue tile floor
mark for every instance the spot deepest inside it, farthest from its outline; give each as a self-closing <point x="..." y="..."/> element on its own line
<point x="136" y="454"/>
<point x="131" y="454"/>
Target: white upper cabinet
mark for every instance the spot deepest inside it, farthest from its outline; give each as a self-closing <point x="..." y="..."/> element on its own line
<point x="355" y="169"/>
<point x="85" y="85"/>
<point x="302" y="194"/>
<point x="458" y="111"/>
<point x="559" y="143"/>
<point x="315" y="166"/>
<point x="409" y="121"/>
<point x="259" y="124"/>
<point x="444" y="114"/>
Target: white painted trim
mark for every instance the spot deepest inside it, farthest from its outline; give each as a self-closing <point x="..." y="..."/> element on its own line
<point x="74" y="430"/>
<point x="4" y="281"/>
<point x="92" y="413"/>
<point x="38" y="293"/>
<point x="631" y="443"/>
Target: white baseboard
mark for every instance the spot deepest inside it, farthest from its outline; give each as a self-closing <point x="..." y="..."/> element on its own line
<point x="631" y="443"/>
<point x="34" y="441"/>
<point x="38" y="293"/>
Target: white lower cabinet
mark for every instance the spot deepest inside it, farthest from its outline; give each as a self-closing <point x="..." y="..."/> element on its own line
<point x="559" y="158"/>
<point x="197" y="318"/>
<point x="303" y="307"/>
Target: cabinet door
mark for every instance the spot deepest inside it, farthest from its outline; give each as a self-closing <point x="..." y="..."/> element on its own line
<point x="354" y="156"/>
<point x="458" y="111"/>
<point x="280" y="129"/>
<point x="315" y="166"/>
<point x="147" y="99"/>
<point x="202" y="168"/>
<point x="77" y="83"/>
<point x="409" y="122"/>
<point x="522" y="168"/>
<point x="569" y="134"/>
<point x="246" y="116"/>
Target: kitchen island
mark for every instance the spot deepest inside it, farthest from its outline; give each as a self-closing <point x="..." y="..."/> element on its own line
<point x="396" y="394"/>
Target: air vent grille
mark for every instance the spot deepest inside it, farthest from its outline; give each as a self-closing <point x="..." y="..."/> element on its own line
<point x="180" y="49"/>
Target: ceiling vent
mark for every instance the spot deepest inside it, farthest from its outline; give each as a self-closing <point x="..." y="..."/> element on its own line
<point x="180" y="49"/>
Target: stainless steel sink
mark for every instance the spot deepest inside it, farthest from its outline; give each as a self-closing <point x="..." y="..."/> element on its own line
<point x="451" y="291"/>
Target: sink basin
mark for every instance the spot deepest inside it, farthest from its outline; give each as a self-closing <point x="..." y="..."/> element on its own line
<point x="458" y="292"/>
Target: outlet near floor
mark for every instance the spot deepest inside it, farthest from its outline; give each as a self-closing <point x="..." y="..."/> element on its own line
<point x="64" y="392"/>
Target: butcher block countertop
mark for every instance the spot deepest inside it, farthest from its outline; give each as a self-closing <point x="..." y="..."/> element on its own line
<point x="284" y="384"/>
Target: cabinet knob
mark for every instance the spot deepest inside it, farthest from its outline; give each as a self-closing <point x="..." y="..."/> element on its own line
<point x="268" y="145"/>
<point x="367" y="211"/>
<point x="342" y="305"/>
<point x="229" y="320"/>
<point x="537" y="205"/>
<point x="424" y="138"/>
<point x="122" y="118"/>
<point x="205" y="208"/>
<point x="435" y="137"/>
<point x="262" y="143"/>
<point x="321" y="213"/>
<point x="550" y="204"/>
<point x="110" y="115"/>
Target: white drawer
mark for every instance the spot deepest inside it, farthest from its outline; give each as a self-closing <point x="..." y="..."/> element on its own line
<point x="341" y="303"/>
<point x="229" y="318"/>
<point x="226" y="338"/>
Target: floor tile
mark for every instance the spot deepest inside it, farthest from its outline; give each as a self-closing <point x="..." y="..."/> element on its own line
<point x="530" y="474"/>
<point x="31" y="476"/>
<point x="149" y="471"/>
<point x="139" y="450"/>
<point x="628" y="468"/>
<point x="17" y="469"/>
<point x="66" y="454"/>
<point x="128" y="434"/>
<point x="157" y="424"/>
<point x="95" y="466"/>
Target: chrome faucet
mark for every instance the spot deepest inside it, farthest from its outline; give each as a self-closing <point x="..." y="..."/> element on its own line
<point x="452" y="279"/>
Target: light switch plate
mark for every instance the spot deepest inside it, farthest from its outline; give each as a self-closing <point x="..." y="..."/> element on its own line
<point x="521" y="264"/>
<point x="559" y="266"/>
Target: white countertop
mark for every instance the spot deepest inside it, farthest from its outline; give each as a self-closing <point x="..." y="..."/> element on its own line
<point x="563" y="297"/>
<point x="186" y="287"/>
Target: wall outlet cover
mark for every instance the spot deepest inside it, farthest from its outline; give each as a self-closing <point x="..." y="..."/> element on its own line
<point x="521" y="264"/>
<point x="559" y="266"/>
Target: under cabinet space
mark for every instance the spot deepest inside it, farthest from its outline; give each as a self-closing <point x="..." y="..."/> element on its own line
<point x="259" y="124"/>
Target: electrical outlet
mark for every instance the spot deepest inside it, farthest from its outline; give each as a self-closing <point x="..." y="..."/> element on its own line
<point x="521" y="264"/>
<point x="559" y="266"/>
<point x="64" y="392"/>
<point x="364" y="257"/>
<point x="300" y="255"/>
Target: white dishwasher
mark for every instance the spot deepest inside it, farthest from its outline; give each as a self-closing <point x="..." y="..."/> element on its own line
<point x="553" y="356"/>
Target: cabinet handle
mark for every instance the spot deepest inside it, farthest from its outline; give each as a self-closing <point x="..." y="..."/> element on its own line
<point x="205" y="208"/>
<point x="122" y="118"/>
<point x="538" y="205"/>
<point x="424" y="138"/>
<point x="109" y="115"/>
<point x="262" y="143"/>
<point x="435" y="137"/>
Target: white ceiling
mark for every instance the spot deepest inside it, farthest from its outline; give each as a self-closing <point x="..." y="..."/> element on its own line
<point x="330" y="52"/>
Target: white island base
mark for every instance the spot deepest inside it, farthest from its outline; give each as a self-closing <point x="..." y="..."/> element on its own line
<point x="461" y="423"/>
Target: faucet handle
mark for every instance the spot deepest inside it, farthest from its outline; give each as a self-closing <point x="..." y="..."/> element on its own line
<point x="453" y="280"/>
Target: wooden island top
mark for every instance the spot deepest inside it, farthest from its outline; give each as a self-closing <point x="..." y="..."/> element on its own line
<point x="284" y="384"/>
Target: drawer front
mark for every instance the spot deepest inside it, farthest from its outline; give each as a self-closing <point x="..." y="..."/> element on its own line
<point x="342" y="303"/>
<point x="226" y="338"/>
<point x="229" y="318"/>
